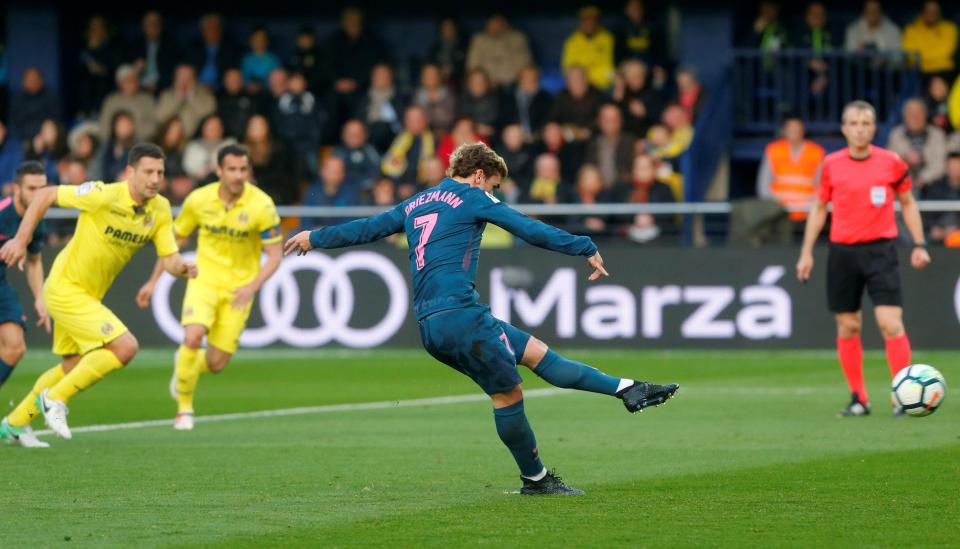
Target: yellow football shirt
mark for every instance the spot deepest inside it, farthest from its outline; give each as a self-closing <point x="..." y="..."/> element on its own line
<point x="230" y="241"/>
<point x="111" y="228"/>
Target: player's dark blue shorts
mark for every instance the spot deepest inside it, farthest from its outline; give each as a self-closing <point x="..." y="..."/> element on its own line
<point x="475" y="343"/>
<point x="10" y="309"/>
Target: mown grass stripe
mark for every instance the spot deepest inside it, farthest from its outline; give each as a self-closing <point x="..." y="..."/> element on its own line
<point x="308" y="410"/>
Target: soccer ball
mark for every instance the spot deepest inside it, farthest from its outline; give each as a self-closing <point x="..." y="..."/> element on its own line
<point x="919" y="389"/>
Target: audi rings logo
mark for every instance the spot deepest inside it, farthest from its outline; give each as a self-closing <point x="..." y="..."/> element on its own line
<point x="333" y="303"/>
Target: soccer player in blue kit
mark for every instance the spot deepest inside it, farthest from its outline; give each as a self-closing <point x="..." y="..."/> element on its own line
<point x="29" y="179"/>
<point x="444" y="226"/>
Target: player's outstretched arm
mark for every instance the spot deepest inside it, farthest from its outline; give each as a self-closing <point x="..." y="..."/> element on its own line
<point x="920" y="257"/>
<point x="815" y="221"/>
<point x="146" y="291"/>
<point x="354" y="233"/>
<point x="35" y="280"/>
<point x="15" y="250"/>
<point x="542" y="235"/>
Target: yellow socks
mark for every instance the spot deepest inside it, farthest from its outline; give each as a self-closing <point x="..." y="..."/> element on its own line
<point x="201" y="363"/>
<point x="190" y="364"/>
<point x="24" y="413"/>
<point x="93" y="367"/>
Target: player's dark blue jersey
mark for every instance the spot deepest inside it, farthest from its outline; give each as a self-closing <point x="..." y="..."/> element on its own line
<point x="9" y="224"/>
<point x="444" y="226"/>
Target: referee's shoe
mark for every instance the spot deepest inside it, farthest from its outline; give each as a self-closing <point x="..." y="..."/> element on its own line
<point x="855" y="408"/>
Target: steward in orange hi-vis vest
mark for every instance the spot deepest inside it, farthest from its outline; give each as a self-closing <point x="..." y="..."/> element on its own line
<point x="794" y="177"/>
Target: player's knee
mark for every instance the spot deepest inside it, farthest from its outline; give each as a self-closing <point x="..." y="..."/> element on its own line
<point x="891" y="328"/>
<point x="192" y="339"/>
<point x="507" y="398"/>
<point x="193" y="336"/>
<point x="69" y="362"/>
<point x="534" y="353"/>
<point x="125" y="347"/>
<point x="846" y="331"/>
<point x="848" y="327"/>
<point x="217" y="360"/>
<point x="13" y="351"/>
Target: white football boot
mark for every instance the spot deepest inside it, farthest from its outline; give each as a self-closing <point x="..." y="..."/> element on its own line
<point x="28" y="439"/>
<point x="183" y="421"/>
<point x="24" y="436"/>
<point x="54" y="414"/>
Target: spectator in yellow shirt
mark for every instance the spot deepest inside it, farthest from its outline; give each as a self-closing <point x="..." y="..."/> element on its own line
<point x="934" y="37"/>
<point x="591" y="46"/>
<point x="953" y="106"/>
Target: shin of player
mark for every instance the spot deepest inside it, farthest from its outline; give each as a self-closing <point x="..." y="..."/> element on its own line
<point x="862" y="181"/>
<point x="116" y="220"/>
<point x="236" y="223"/>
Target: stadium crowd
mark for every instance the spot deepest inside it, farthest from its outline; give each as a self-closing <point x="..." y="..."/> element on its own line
<point x="333" y="124"/>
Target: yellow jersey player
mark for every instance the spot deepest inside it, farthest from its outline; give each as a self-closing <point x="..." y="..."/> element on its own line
<point x="116" y="220"/>
<point x="236" y="222"/>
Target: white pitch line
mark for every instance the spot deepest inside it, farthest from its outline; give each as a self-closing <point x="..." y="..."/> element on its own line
<point x="388" y="404"/>
<point x="307" y="410"/>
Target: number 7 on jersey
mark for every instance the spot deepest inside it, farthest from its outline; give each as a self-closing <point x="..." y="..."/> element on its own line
<point x="426" y="223"/>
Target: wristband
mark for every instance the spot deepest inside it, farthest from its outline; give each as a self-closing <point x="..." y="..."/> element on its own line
<point x="920" y="245"/>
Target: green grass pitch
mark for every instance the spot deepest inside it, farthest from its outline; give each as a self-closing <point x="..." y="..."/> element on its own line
<point x="750" y="453"/>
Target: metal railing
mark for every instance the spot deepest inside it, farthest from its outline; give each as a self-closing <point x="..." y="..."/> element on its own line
<point x="770" y="84"/>
<point x="545" y="210"/>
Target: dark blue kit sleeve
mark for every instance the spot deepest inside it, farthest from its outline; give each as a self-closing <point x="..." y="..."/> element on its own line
<point x="536" y="232"/>
<point x="360" y="231"/>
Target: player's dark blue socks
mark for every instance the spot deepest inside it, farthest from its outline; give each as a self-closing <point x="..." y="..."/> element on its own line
<point x="5" y="371"/>
<point x="516" y="434"/>
<point x="563" y="372"/>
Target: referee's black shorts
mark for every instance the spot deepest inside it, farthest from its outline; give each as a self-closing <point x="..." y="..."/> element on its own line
<point x="853" y="267"/>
